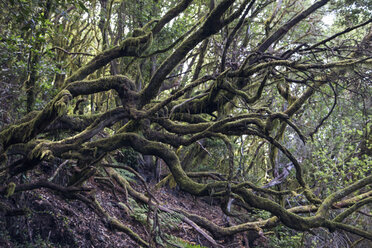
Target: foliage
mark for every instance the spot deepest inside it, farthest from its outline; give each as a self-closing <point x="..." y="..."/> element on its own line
<point x="286" y="238"/>
<point x="261" y="105"/>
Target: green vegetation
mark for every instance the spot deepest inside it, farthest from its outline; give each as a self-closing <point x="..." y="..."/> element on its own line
<point x="261" y="107"/>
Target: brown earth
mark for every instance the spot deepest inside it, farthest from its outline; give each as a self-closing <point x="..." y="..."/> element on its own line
<point x="54" y="221"/>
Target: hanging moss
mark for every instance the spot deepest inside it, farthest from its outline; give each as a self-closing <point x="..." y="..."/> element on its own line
<point x="10" y="189"/>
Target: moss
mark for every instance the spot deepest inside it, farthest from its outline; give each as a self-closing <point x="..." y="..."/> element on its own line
<point x="10" y="189"/>
<point x="26" y="131"/>
<point x="132" y="46"/>
<point x="147" y="147"/>
<point x="327" y="203"/>
<point x="137" y="44"/>
<point x="352" y="209"/>
<point x="118" y="225"/>
<point x="40" y="151"/>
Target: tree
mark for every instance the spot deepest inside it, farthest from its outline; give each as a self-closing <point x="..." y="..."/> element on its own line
<point x="237" y="98"/>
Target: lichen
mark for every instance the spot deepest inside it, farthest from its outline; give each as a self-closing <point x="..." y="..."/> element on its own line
<point x="10" y="189"/>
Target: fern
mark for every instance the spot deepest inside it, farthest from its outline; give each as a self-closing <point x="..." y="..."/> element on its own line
<point x="127" y="175"/>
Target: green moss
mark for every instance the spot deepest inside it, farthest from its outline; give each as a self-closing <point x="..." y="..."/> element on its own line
<point x="10" y="189"/>
<point x="26" y="131"/>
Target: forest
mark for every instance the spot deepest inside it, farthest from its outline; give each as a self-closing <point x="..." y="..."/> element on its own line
<point x="190" y="123"/>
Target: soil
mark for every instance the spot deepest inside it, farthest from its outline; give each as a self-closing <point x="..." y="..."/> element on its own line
<point x="54" y="221"/>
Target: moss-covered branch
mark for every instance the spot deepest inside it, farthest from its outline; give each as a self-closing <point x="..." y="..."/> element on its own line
<point x="147" y="147"/>
<point x="352" y="209"/>
<point x="250" y="70"/>
<point x="123" y="86"/>
<point x="41" y="184"/>
<point x="132" y="46"/>
<point x="172" y="13"/>
<point x="290" y="24"/>
<point x="211" y="26"/>
<point x="24" y="132"/>
<point x="327" y="203"/>
<point x="221" y="232"/>
<point x="116" y="224"/>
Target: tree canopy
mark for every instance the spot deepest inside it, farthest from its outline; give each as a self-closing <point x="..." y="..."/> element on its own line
<point x="261" y="106"/>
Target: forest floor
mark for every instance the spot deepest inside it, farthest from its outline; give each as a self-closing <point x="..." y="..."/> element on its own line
<point x="53" y="221"/>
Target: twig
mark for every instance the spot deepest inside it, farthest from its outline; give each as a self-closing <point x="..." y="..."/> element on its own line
<point x="57" y="170"/>
<point x="329" y="113"/>
<point x="201" y="145"/>
<point x="201" y="231"/>
<point x="124" y="167"/>
<point x="71" y="53"/>
<point x="338" y="34"/>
